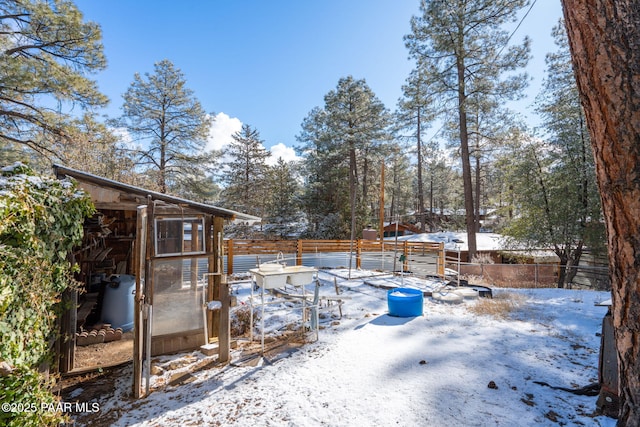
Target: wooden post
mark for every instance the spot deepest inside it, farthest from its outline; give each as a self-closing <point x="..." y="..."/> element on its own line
<point x="67" y="340"/>
<point x="212" y="248"/>
<point x="382" y="202"/>
<point x="222" y="291"/>
<point x="149" y="254"/>
<point x="405" y="253"/>
<point x="195" y="246"/>
<point x="230" y="256"/>
<point x="299" y="252"/>
<point x="144" y="251"/>
<point x="441" y="259"/>
<point x="138" y="301"/>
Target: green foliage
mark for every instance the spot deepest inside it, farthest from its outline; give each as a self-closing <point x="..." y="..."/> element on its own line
<point x="344" y="144"/>
<point x="467" y="62"/>
<point x="30" y="397"/>
<point x="399" y="183"/>
<point x="245" y="173"/>
<point x="416" y="111"/>
<point x="93" y="148"/>
<point x="554" y="194"/>
<point x="554" y="183"/>
<point x="46" y="52"/>
<point x="40" y="222"/>
<point x="332" y="226"/>
<point x="162" y="113"/>
<point x="284" y="195"/>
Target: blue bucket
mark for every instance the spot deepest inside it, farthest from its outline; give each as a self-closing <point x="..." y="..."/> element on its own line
<point x="405" y="302"/>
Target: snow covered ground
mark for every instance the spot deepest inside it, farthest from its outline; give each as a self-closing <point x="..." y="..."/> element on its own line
<point x="372" y="369"/>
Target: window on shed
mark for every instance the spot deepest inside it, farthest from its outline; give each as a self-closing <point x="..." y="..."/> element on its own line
<point x="178" y="236"/>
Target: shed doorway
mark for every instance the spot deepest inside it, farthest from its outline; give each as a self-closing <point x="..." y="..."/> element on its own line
<point x="159" y="257"/>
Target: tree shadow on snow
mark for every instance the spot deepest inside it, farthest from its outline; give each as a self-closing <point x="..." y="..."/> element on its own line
<point x="388" y="320"/>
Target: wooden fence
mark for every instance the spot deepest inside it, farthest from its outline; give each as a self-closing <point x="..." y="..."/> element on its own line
<point x="234" y="247"/>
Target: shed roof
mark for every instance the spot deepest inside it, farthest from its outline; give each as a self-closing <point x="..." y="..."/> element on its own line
<point x="401" y="226"/>
<point x="129" y="197"/>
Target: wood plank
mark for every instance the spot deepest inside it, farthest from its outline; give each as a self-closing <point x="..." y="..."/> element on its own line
<point x="298" y="248"/>
<point x="210" y="248"/>
<point x="139" y="256"/>
<point x="224" y="332"/>
<point x="176" y="343"/>
<point x="103" y="254"/>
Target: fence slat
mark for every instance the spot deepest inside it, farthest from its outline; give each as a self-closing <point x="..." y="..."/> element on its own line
<point x="236" y="247"/>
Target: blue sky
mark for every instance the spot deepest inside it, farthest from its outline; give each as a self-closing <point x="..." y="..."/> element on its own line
<point x="268" y="63"/>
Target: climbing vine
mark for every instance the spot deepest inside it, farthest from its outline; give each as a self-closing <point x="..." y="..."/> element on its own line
<point x="40" y="222"/>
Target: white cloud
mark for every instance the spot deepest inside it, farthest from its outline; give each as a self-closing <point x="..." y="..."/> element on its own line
<point x="125" y="138"/>
<point x="280" y="150"/>
<point x="222" y="128"/>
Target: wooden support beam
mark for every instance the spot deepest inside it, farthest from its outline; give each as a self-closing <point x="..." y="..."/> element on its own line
<point x="441" y="259"/>
<point x="195" y="246"/>
<point x="230" y="256"/>
<point x="221" y="290"/>
<point x="211" y="250"/>
<point x="67" y="340"/>
<point x="405" y="252"/>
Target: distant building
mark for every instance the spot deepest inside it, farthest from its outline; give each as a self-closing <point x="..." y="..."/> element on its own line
<point x="400" y="229"/>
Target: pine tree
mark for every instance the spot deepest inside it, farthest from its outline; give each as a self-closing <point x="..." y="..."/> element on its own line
<point x="344" y="141"/>
<point x="554" y="181"/>
<point x="282" y="211"/>
<point x="398" y="184"/>
<point x="326" y="190"/>
<point x="93" y="148"/>
<point x="245" y="173"/>
<point x="604" y="37"/>
<point x="415" y="112"/>
<point x="464" y="54"/>
<point x="46" y="53"/>
<point x="444" y="186"/>
<point x="170" y="126"/>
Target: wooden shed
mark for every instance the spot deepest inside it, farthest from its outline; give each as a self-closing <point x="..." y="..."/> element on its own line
<point x="400" y="229"/>
<point x="170" y="250"/>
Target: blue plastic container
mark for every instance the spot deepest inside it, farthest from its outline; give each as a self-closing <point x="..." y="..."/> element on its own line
<point x="405" y="302"/>
<point x="118" y="303"/>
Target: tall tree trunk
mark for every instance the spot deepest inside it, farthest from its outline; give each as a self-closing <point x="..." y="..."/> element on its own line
<point x="574" y="262"/>
<point x="163" y="153"/>
<point x="604" y="37"/>
<point x="392" y="209"/>
<point x="562" y="268"/>
<point x="420" y="184"/>
<point x="466" y="163"/>
<point x="396" y="191"/>
<point x="431" y="216"/>
<point x="477" y="200"/>
<point x="365" y="183"/>
<point x="353" y="185"/>
<point x="162" y="179"/>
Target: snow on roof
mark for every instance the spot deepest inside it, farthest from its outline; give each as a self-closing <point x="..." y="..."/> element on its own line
<point x="458" y="240"/>
<point x="62" y="171"/>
